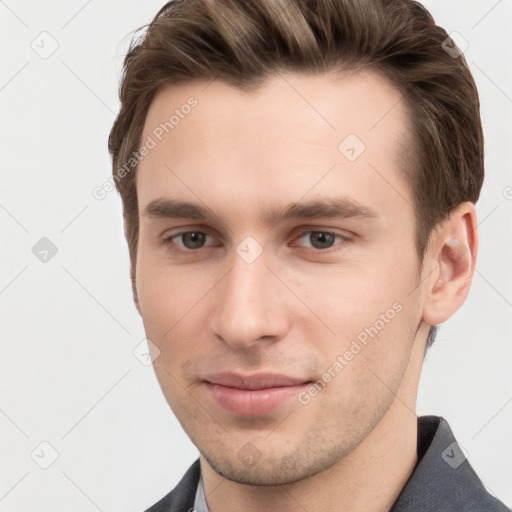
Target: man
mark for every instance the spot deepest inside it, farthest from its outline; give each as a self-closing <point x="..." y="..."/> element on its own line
<point x="298" y="181"/>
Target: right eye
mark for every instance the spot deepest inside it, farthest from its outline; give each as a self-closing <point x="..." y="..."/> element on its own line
<point x="189" y="240"/>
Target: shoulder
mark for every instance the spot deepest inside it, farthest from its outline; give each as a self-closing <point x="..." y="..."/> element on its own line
<point x="181" y="498"/>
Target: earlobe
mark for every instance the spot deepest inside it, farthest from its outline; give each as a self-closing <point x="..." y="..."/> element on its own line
<point x="453" y="251"/>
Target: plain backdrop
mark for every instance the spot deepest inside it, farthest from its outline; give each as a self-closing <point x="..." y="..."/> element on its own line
<point x="75" y="397"/>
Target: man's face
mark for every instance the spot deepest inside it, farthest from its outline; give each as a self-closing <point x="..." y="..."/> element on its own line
<point x="284" y="334"/>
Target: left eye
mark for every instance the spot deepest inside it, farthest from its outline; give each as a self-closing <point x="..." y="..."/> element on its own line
<point x="319" y="239"/>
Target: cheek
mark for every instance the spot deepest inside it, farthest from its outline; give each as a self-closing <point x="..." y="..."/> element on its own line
<point x="169" y="299"/>
<point x="363" y="366"/>
<point x="354" y="296"/>
<point x="374" y="314"/>
<point x="171" y="308"/>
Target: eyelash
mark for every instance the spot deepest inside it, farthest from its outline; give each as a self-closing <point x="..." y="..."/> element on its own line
<point x="168" y="241"/>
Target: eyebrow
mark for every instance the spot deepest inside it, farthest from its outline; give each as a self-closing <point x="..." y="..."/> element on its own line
<point x="329" y="207"/>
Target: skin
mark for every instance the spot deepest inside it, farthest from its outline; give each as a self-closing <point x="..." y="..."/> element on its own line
<point x="297" y="307"/>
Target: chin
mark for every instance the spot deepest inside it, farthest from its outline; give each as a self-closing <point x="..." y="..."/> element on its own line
<point x="281" y="469"/>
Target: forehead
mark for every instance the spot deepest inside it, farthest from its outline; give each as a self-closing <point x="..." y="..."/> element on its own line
<point x="294" y="134"/>
<point x="316" y="103"/>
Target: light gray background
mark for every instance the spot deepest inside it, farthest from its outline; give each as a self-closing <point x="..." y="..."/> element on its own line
<point x="68" y="373"/>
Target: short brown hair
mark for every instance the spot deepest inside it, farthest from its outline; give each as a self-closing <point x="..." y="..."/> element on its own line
<point x="245" y="42"/>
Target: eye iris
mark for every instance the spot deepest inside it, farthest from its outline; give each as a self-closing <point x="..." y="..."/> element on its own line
<point x="321" y="240"/>
<point x="193" y="240"/>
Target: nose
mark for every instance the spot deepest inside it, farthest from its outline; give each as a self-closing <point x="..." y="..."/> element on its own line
<point x="250" y="306"/>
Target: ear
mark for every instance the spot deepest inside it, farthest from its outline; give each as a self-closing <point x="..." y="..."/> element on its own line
<point x="134" y="292"/>
<point x="450" y="259"/>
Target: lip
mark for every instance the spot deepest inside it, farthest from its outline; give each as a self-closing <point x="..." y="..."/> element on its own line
<point x="252" y="395"/>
